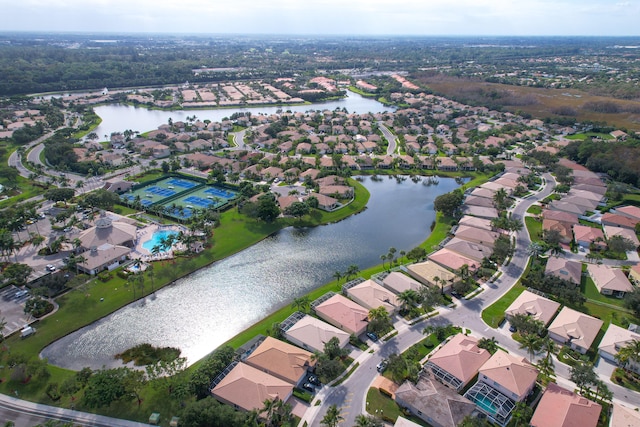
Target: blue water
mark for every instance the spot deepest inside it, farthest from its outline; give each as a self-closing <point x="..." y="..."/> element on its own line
<point x="487" y="405"/>
<point x="156" y="237"/>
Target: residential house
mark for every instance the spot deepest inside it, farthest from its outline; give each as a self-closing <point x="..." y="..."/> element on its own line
<point x="613" y="340"/>
<point x="282" y="360"/>
<point x="475" y="251"/>
<point x="434" y="403"/>
<point x="609" y="280"/>
<point x="585" y="235"/>
<point x="345" y="314"/>
<point x="476" y="222"/>
<point x="397" y="283"/>
<point x="247" y="388"/>
<point x="564" y="229"/>
<point x="621" y="416"/>
<point x="533" y="305"/>
<point x="479" y="211"/>
<point x="634" y="274"/>
<point x="632" y="212"/>
<point x="326" y="203"/>
<point x="560" y="407"/>
<point x="458" y="361"/>
<point x="403" y="422"/>
<point x="625" y="233"/>
<point x="616" y="220"/>
<point x="312" y="334"/>
<point x="565" y="269"/>
<point x="479" y="201"/>
<point x="160" y="151"/>
<point x="453" y="260"/>
<point x="575" y="329"/>
<point x="432" y="274"/>
<point x="371" y="295"/>
<point x="477" y="235"/>
<point x="511" y="375"/>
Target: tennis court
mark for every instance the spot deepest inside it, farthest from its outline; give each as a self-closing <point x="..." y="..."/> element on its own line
<point x="159" y="191"/>
<point x="182" y="183"/>
<point x="199" y="199"/>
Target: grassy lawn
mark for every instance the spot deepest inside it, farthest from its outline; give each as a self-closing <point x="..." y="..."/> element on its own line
<point x="626" y="379"/>
<point x="439" y="232"/>
<point x="535" y="228"/>
<point x="590" y="291"/>
<point x="535" y="209"/>
<point x="494" y="314"/>
<point x="583" y="136"/>
<point x="379" y="403"/>
<point x="150" y="175"/>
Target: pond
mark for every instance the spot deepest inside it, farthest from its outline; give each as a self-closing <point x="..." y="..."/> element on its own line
<point x="118" y="118"/>
<point x="205" y="309"/>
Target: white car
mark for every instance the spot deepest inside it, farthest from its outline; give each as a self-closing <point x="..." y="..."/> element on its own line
<point x="51" y="267"/>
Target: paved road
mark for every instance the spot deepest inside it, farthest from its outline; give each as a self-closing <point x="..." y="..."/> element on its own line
<point x="351" y="394"/>
<point x="390" y="137"/>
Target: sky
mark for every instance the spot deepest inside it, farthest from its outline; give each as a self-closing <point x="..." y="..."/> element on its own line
<point x="327" y="17"/>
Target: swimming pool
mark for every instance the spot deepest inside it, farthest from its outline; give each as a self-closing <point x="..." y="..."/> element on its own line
<point x="156" y="237"/>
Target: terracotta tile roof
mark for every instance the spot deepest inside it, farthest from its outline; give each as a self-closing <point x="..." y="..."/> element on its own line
<point x="578" y="328"/>
<point x="562" y="408"/>
<point x="533" y="305"/>
<point x="473" y="221"/>
<point x="511" y="372"/>
<point x="283" y="360"/>
<point x="398" y="282"/>
<point x="371" y="295"/>
<point x="461" y="357"/>
<point x="583" y="233"/>
<point x="471" y="250"/>
<point x="248" y="388"/>
<point x="616" y="338"/>
<point x="453" y="260"/>
<point x="344" y="313"/>
<point x="608" y="278"/>
<point x="624" y="417"/>
<point x="315" y="333"/>
<point x="564" y="268"/>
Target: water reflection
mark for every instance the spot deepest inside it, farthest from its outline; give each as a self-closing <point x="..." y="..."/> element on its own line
<point x="207" y="308"/>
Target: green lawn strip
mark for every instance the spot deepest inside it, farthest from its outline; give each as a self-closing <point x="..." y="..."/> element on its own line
<point x="626" y="379"/>
<point x="380" y="404"/>
<point x="535" y="210"/>
<point x="494" y="314"/>
<point x="149" y="175"/>
<point x="535" y="228"/>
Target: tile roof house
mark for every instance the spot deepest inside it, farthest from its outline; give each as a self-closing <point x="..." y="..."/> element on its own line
<point x="610" y="218"/>
<point x="563" y="228"/>
<point x="570" y="218"/>
<point x="585" y="235"/>
<point x="246" y="388"/>
<point x="403" y="422"/>
<point x="536" y="306"/>
<point x="613" y="340"/>
<point x="472" y="250"/>
<point x="312" y="334"/>
<point x="476" y="222"/>
<point x="625" y="233"/>
<point x="453" y="260"/>
<point x="458" y="361"/>
<point x="632" y="212"/>
<point x="282" y="360"/>
<point x="559" y="407"/>
<point x="609" y="281"/>
<point x="565" y="269"/>
<point x="477" y="235"/>
<point x="426" y="272"/>
<point x="634" y="274"/>
<point x="345" y="314"/>
<point x="624" y="417"/>
<point x="575" y="329"/>
<point x="370" y="295"/>
<point x="511" y="375"/>
<point x="434" y="403"/>
<point x="480" y="211"/>
<point x="397" y="282"/>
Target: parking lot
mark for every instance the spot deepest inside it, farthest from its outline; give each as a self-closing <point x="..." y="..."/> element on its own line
<point x="12" y="309"/>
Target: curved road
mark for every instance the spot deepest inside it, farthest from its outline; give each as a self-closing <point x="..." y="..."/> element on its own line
<point x="350" y="396"/>
<point x="390" y="137"/>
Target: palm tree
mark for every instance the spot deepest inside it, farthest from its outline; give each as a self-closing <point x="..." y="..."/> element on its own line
<point x="521" y="414"/>
<point x="629" y="354"/>
<point x="408" y="298"/>
<point x="437" y="281"/>
<point x="532" y="343"/>
<point x="352" y="271"/>
<point x="368" y="421"/>
<point x="379" y="313"/>
<point x="301" y="303"/>
<point x="383" y="257"/>
<point x="534" y="250"/>
<point x="337" y="275"/>
<point x="332" y="418"/>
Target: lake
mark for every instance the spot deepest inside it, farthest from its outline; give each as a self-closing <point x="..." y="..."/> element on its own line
<point x="205" y="309"/>
<point x="118" y="118"/>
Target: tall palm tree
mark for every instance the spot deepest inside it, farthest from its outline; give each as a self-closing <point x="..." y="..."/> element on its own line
<point x="337" y="275"/>
<point x="408" y="298"/>
<point x="532" y="343"/>
<point x="352" y="271"/>
<point x="629" y="354"/>
<point x="332" y="418"/>
<point x="301" y="303"/>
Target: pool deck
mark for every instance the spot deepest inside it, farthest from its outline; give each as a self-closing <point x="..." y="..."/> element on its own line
<point x="143" y="235"/>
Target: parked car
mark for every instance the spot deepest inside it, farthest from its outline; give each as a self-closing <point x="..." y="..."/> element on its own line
<point x="308" y="387"/>
<point x="50" y="267"/>
<point x="382" y="365"/>
<point x="372" y="336"/>
<point x="512" y="328"/>
<point x="313" y="380"/>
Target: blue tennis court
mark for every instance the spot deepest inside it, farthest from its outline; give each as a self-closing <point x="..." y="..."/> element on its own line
<point x="219" y="192"/>
<point x="183" y="213"/>
<point x="181" y="183"/>
<point x="199" y="201"/>
<point x="164" y="192"/>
